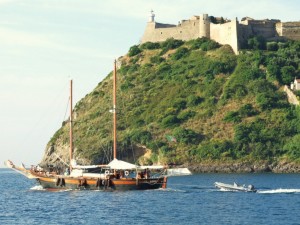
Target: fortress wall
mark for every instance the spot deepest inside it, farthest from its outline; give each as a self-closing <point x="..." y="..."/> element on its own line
<point x="278" y="28"/>
<point x="204" y="26"/>
<point x="291" y="30"/>
<point x="226" y="33"/>
<point x="163" y="25"/>
<point x="244" y="32"/>
<point x="264" y="28"/>
<point x="232" y="33"/>
<point x="186" y="30"/>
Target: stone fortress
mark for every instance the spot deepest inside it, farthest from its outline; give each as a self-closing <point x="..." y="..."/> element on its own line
<point x="223" y="31"/>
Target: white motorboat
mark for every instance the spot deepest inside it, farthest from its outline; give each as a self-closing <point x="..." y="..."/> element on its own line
<point x="235" y="187"/>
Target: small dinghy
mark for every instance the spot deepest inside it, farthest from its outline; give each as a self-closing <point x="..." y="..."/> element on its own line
<point x="235" y="187"/>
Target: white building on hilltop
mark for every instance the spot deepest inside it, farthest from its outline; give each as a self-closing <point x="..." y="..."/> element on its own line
<point x="295" y="86"/>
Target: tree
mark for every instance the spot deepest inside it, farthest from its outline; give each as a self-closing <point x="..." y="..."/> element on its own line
<point x="288" y="74"/>
<point x="186" y="136"/>
<point x="293" y="148"/>
<point x="272" y="46"/>
<point x="134" y="50"/>
<point x="257" y="43"/>
<point x="273" y="71"/>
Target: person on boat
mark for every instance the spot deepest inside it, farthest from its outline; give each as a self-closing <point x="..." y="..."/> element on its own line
<point x="139" y="175"/>
<point x="121" y="173"/>
<point x="67" y="172"/>
<point x="147" y="173"/>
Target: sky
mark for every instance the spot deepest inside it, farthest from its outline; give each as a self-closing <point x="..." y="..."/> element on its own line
<point x="44" y="43"/>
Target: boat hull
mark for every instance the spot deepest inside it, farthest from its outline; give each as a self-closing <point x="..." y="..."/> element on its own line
<point x="68" y="183"/>
<point x="235" y="187"/>
<point x="89" y="182"/>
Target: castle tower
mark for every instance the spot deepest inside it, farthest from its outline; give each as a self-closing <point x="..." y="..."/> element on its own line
<point x="204" y="26"/>
<point x="149" y="34"/>
<point x="151" y="17"/>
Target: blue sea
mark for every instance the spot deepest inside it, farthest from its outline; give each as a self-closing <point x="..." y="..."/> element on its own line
<point x="187" y="200"/>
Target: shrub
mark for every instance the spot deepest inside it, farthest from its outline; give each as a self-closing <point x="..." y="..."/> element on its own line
<point x="185" y="115"/>
<point x="126" y="85"/>
<point x="232" y="116"/>
<point x="179" y="104"/>
<point x="247" y="110"/>
<point x="287" y="74"/>
<point x="204" y="44"/>
<point x="193" y="100"/>
<point x="215" y="149"/>
<point x="142" y="137"/>
<point x="169" y="121"/>
<point x="273" y="71"/>
<point x="134" y="50"/>
<point x="272" y="46"/>
<point x="164" y="67"/>
<point x="261" y="86"/>
<point x="180" y="53"/>
<point x="150" y="45"/>
<point x="209" y="45"/>
<point x="172" y="43"/>
<point x="133" y="69"/>
<point x="169" y="44"/>
<point x="292" y="147"/>
<point x="186" y="136"/>
<point x="265" y="100"/>
<point x="156" y="59"/>
<point x="257" y="43"/>
<point x="252" y="74"/>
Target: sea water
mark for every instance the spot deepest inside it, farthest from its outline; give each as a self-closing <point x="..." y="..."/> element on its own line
<point x="187" y="200"/>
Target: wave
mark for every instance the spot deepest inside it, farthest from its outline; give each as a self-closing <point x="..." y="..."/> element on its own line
<point x="37" y="188"/>
<point x="40" y="188"/>
<point x="169" y="190"/>
<point x="278" y="191"/>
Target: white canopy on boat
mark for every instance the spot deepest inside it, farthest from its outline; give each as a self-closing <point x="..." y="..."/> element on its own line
<point x="86" y="167"/>
<point x="121" y="165"/>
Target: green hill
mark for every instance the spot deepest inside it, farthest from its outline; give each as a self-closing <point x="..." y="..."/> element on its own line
<point x="191" y="102"/>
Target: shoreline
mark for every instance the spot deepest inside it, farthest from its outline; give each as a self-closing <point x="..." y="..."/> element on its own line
<point x="244" y="167"/>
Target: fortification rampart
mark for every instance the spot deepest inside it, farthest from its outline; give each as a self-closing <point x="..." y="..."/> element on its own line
<point x="233" y="33"/>
<point x="185" y="30"/>
<point x="265" y="28"/>
<point x="226" y="33"/>
<point x="291" y="30"/>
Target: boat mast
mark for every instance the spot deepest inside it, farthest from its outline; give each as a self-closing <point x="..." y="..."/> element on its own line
<point x="71" y="120"/>
<point x="114" y="107"/>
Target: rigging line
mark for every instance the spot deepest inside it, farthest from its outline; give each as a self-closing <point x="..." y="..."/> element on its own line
<point x="66" y="109"/>
<point x="107" y="152"/>
<point x="61" y="159"/>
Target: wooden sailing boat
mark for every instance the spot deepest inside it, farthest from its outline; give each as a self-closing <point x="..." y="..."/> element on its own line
<point x="117" y="175"/>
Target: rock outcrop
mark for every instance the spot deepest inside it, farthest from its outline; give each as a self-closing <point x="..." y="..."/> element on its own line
<point x="245" y="167"/>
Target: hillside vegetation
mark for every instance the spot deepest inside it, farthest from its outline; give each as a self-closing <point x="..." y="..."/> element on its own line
<point x="192" y="102"/>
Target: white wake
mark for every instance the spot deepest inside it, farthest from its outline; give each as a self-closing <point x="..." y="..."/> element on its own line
<point x="280" y="190"/>
<point x="37" y="188"/>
